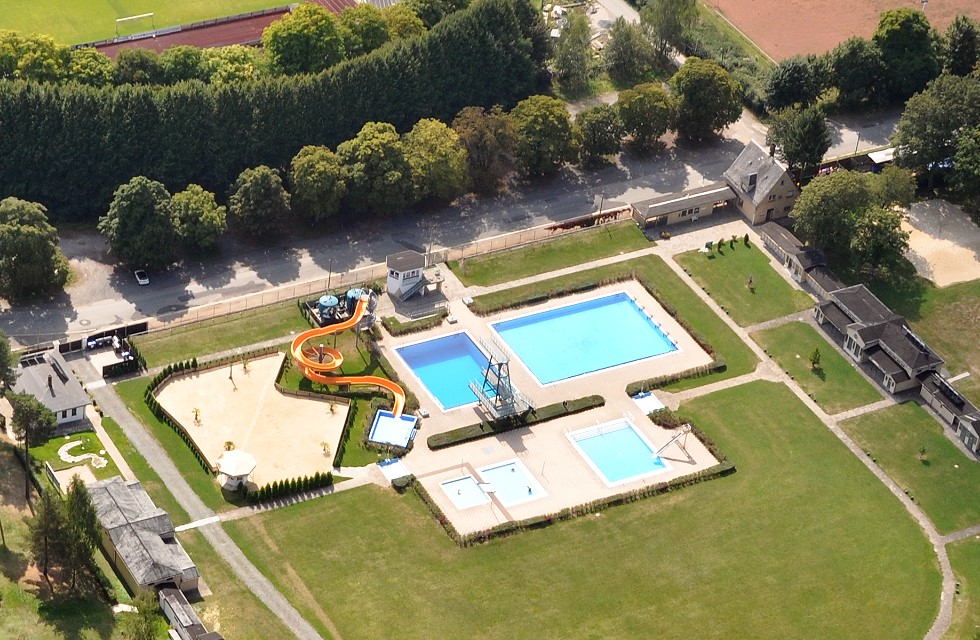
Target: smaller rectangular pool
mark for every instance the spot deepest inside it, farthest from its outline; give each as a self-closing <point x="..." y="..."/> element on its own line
<point x="617" y="452"/>
<point x="445" y="366"/>
<point x="511" y="482"/>
<point x="464" y="492"/>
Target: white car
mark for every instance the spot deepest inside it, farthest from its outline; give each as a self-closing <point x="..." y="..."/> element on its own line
<point x="141" y="277"/>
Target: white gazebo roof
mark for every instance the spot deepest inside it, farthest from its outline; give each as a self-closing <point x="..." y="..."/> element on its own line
<point x="236" y="463"/>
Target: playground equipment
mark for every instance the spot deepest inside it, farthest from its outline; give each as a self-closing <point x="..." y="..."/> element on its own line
<point x="317" y="362"/>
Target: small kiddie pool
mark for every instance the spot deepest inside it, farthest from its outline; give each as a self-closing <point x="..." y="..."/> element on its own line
<point x="617" y="452"/>
<point x="464" y="492"/>
<point x="445" y="366"/>
<point x="511" y="482"/>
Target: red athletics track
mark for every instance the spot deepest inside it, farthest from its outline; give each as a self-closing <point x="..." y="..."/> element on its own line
<point x="247" y="30"/>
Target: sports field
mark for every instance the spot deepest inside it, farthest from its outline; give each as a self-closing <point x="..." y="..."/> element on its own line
<point x="77" y="21"/>
<point x="783" y="28"/>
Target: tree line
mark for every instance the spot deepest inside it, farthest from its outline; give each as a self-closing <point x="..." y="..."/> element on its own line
<point x="68" y="146"/>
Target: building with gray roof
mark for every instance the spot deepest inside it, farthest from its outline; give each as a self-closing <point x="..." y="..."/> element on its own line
<point x="764" y="189"/>
<point x="139" y="537"/>
<point x="47" y="377"/>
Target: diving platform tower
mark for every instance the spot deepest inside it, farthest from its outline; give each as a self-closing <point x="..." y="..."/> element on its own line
<point x="497" y="394"/>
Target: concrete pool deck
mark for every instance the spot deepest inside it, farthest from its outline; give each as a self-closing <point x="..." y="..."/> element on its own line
<point x="548" y="455"/>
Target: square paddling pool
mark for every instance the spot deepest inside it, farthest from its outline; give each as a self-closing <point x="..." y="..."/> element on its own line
<point x="511" y="482"/>
<point x="617" y="452"/>
<point x="445" y="366"/>
<point x="585" y="337"/>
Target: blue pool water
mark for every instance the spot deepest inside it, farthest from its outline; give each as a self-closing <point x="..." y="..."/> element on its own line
<point x="583" y="338"/>
<point x="445" y="366"/>
<point x="464" y="492"/>
<point x="617" y="451"/>
<point x="512" y="483"/>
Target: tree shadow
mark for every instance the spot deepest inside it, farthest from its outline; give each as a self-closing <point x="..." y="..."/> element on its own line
<point x="13" y="565"/>
<point x="819" y="372"/>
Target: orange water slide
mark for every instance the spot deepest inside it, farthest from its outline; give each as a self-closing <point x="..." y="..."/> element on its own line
<point x="317" y="362"/>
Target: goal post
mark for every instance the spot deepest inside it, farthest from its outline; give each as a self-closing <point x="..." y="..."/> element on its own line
<point x="123" y="22"/>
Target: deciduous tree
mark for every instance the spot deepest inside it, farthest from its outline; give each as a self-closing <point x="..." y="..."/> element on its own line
<point x="961" y="46"/>
<point x="90" y="66"/>
<point x="573" y="55"/>
<point x="8" y="365"/>
<point x="184" y="62"/>
<point x="319" y="183"/>
<point x="198" y="219"/>
<point x="402" y="21"/>
<point x="824" y="211"/>
<point x="363" y="29"/>
<point x="857" y="70"/>
<point x="431" y="12"/>
<point x="259" y="203"/>
<point x="138" y="66"/>
<point x="894" y="187"/>
<point x="709" y="99"/>
<point x="437" y="159"/>
<point x="907" y="50"/>
<point x="31" y="419"/>
<point x="544" y="135"/>
<point x="668" y="20"/>
<point x="602" y="133"/>
<point x="966" y="173"/>
<point x="141" y="624"/>
<point x="31" y="264"/>
<point x="488" y="137"/>
<point x="305" y="41"/>
<point x="380" y="178"/>
<point x="797" y="80"/>
<point x="877" y="242"/>
<point x="647" y="112"/>
<point x="139" y="225"/>
<point x="234" y="64"/>
<point x="801" y="137"/>
<point x="629" y="55"/>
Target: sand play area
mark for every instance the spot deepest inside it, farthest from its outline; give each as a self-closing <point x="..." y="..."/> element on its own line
<point x="283" y="433"/>
<point x="944" y="244"/>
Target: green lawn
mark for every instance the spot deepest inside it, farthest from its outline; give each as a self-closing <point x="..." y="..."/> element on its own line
<point x="212" y="336"/>
<point x="944" y="483"/>
<point x="654" y="274"/>
<point x="48" y="452"/>
<point x="835" y="385"/>
<point x="202" y="482"/>
<point x="769" y="552"/>
<point x="965" y="558"/>
<point x="151" y="482"/>
<point x="947" y="318"/>
<point x="76" y="21"/>
<point x="550" y="255"/>
<point x="724" y="275"/>
<point x="231" y="606"/>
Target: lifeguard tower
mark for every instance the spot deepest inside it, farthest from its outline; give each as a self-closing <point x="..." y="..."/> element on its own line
<point x="406" y="275"/>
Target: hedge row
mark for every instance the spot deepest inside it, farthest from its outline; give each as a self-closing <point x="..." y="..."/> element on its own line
<point x="398" y="328"/>
<point x="286" y="488"/>
<point x="494" y="302"/>
<point x="534" y="416"/>
<point x="717" y="364"/>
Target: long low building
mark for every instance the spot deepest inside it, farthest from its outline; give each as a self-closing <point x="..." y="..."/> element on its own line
<point x="687" y="205"/>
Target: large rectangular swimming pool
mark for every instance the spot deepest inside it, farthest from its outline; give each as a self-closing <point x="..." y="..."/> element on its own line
<point x="445" y="366"/>
<point x="617" y="452"/>
<point x="585" y="337"/>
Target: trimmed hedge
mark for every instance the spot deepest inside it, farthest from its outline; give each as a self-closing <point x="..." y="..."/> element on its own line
<point x="396" y="327"/>
<point x="535" y="416"/>
<point x="718" y="364"/>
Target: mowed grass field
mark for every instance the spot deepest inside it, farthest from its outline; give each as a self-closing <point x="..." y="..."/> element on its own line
<point x="799" y="543"/>
<point x="836" y="385"/>
<point x="77" y="21"/>
<point x="943" y="481"/>
<point x="965" y="558"/>
<point x="725" y="274"/>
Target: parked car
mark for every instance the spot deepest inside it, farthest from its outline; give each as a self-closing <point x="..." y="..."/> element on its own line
<point x="141" y="277"/>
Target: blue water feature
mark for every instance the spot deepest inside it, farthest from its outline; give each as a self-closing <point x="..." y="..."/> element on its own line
<point x="618" y="452"/>
<point x="583" y="338"/>
<point x="464" y="492"/>
<point x="512" y="483"/>
<point x="445" y="366"/>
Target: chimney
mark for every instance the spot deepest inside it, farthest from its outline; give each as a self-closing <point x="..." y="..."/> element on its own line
<point x="50" y="383"/>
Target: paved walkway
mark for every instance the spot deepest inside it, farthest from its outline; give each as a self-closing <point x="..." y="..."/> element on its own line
<point x="157" y="458"/>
